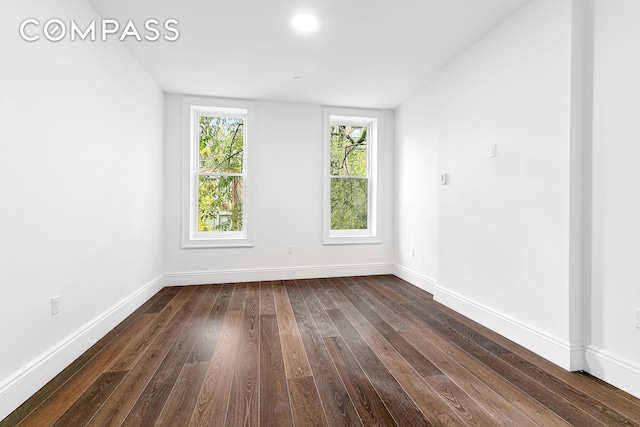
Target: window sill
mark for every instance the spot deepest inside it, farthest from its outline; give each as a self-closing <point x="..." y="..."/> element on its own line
<point x="352" y="240"/>
<point x="216" y="243"/>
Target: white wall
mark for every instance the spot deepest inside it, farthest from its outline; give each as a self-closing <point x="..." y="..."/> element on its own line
<point x="539" y="243"/>
<point x="614" y="343"/>
<point x="502" y="224"/>
<point x="416" y="190"/>
<point x="81" y="194"/>
<point x="287" y="160"/>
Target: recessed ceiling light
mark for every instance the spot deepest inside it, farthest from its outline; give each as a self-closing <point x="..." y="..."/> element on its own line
<point x="305" y="22"/>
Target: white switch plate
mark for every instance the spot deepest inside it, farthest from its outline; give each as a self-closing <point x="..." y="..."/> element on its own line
<point x="493" y="152"/>
<point x="55" y="305"/>
<point x="443" y="179"/>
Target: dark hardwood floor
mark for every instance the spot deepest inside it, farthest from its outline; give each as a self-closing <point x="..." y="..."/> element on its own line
<point x="360" y="351"/>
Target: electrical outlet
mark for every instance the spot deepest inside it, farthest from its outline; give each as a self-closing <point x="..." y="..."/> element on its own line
<point x="55" y="305"/>
<point x="493" y="151"/>
<point x="289" y="250"/>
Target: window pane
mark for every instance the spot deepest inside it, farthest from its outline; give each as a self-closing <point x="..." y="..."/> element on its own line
<point x="220" y="203"/>
<point x="221" y="144"/>
<point x="348" y="150"/>
<point x="349" y="203"/>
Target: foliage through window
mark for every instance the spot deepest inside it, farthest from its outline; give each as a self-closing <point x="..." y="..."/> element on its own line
<point x="220" y="174"/>
<point x="215" y="197"/>
<point x="350" y="197"/>
<point x="349" y="177"/>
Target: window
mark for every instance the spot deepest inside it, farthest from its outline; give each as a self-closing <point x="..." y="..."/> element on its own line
<point x="351" y="208"/>
<point x="216" y="207"/>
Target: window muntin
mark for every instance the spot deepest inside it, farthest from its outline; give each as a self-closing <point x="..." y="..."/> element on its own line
<point x="349" y="176"/>
<point x="351" y="202"/>
<point x="217" y="213"/>
<point x="220" y="172"/>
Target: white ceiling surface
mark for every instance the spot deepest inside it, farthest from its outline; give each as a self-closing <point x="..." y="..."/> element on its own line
<point x="365" y="53"/>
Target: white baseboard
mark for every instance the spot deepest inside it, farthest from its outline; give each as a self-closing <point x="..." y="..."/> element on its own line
<point x="416" y="279"/>
<point x="611" y="369"/>
<point x="16" y="389"/>
<point x="283" y="273"/>
<point x="567" y="355"/>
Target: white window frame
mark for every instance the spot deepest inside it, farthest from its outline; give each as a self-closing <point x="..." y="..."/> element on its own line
<point x="193" y="109"/>
<point x="373" y="120"/>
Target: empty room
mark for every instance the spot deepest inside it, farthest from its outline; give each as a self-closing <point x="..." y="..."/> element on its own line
<point x="320" y="213"/>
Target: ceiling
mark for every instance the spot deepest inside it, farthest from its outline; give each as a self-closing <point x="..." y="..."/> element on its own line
<point x="365" y="53"/>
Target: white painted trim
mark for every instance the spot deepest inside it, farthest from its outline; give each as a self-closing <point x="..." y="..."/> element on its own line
<point x="416" y="279"/>
<point x="595" y="361"/>
<point x="373" y="234"/>
<point x="564" y="354"/>
<point x="609" y="368"/>
<point x="282" y="273"/>
<point x="189" y="238"/>
<point x="16" y="389"/>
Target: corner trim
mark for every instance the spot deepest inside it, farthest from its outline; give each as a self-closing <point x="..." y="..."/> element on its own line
<point x="613" y="370"/>
<point x="565" y="354"/>
<point x="281" y="273"/>
<point x="416" y="279"/>
<point x="16" y="389"/>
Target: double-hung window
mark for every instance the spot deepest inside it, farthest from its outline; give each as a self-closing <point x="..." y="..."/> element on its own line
<point x="351" y="188"/>
<point x="217" y="179"/>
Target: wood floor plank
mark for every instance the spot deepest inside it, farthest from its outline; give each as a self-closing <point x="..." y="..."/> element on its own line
<point x="211" y="409"/>
<point x="597" y="389"/>
<point x="59" y="380"/>
<point x="386" y="313"/>
<point x="54" y="406"/>
<point x="585" y="394"/>
<point x="506" y="390"/>
<point x="296" y="363"/>
<point x="275" y="409"/>
<point x="371" y="350"/>
<point x="433" y="404"/>
<point x="305" y="403"/>
<point x="335" y="399"/>
<point x="136" y="348"/>
<point x="411" y="293"/>
<point x="243" y="407"/>
<point x="373" y="282"/>
<point x="203" y="349"/>
<point x="323" y="291"/>
<point x="531" y="408"/>
<point x="364" y="396"/>
<point x="420" y="363"/>
<point x="184" y="395"/>
<point x="133" y="321"/>
<point x="267" y="303"/>
<point x="316" y="309"/>
<point x="498" y="407"/>
<point x="45" y="393"/>
<point x="115" y="410"/>
<point x="581" y="400"/>
<point x="152" y="400"/>
<point x="87" y="404"/>
<point x="549" y="399"/>
<point x="163" y="299"/>
<point x="400" y="405"/>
